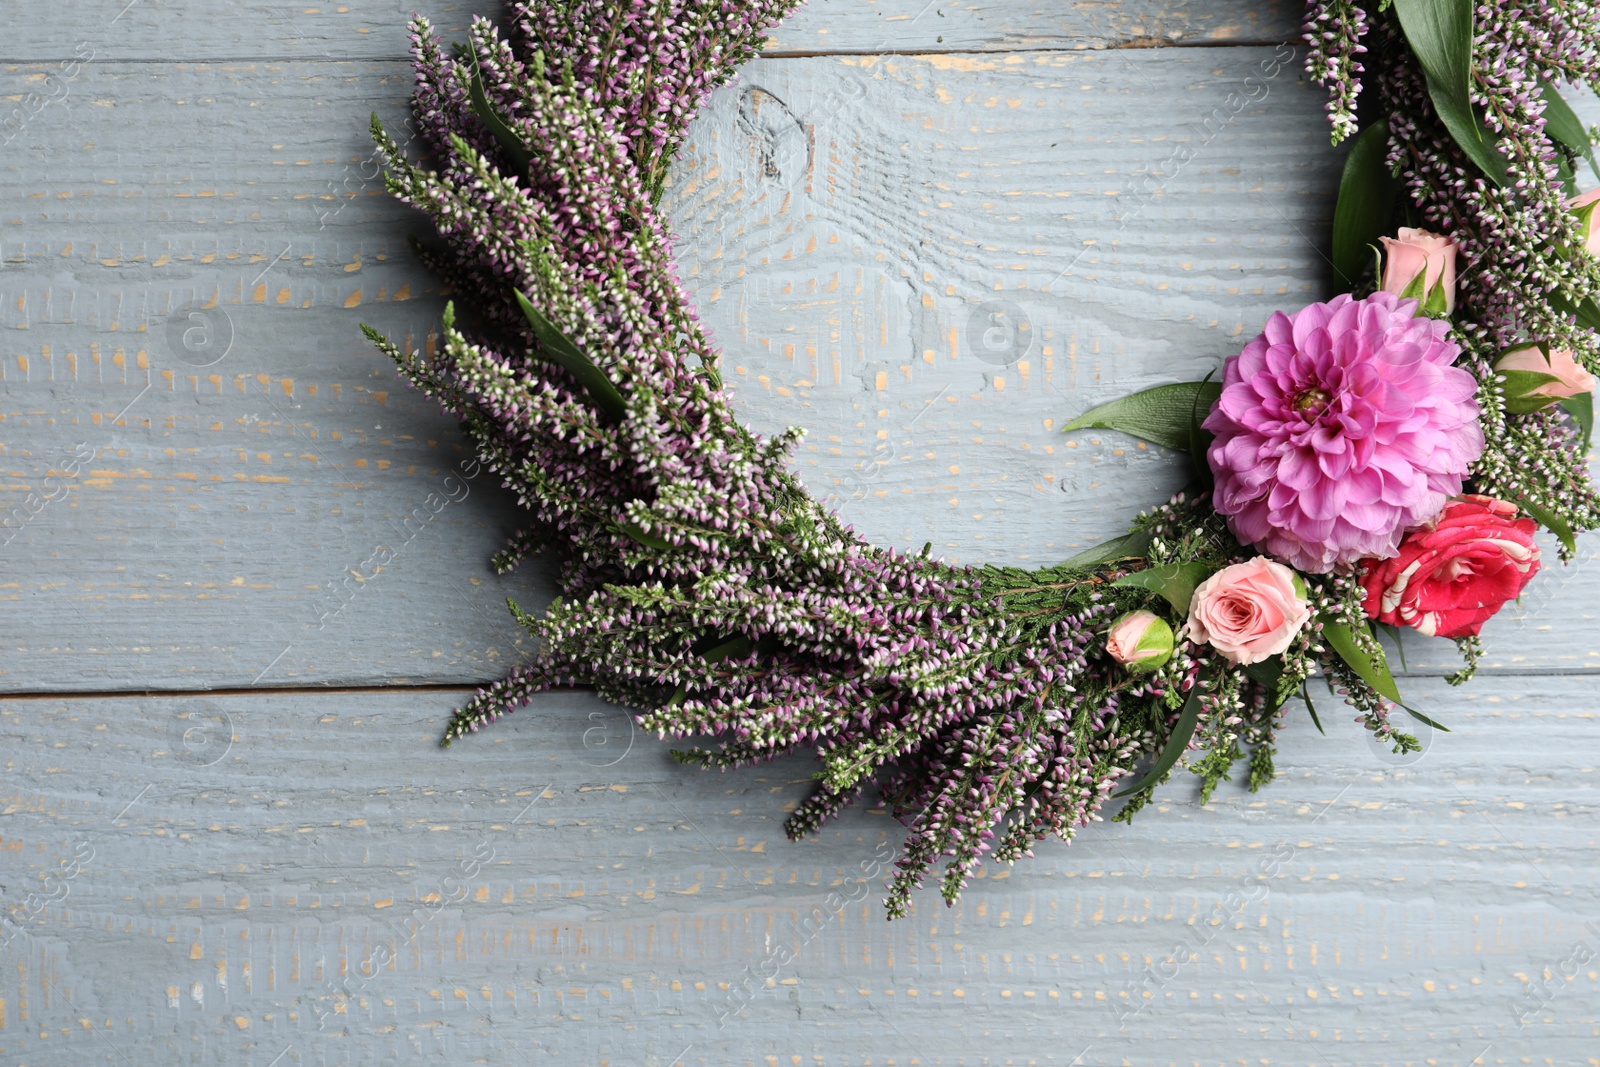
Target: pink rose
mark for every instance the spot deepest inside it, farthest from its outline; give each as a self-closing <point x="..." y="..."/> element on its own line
<point x="1250" y="611"/>
<point x="1579" y="205"/>
<point x="1457" y="571"/>
<point x="1414" y="254"/>
<point x="1574" y="380"/>
<point x="1140" y="641"/>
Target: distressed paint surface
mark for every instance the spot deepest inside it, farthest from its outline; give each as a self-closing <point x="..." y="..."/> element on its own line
<point x="373" y="29"/>
<point x="233" y="863"/>
<point x="931" y="261"/>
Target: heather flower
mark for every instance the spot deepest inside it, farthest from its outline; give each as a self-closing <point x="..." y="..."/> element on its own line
<point x="1340" y="427"/>
<point x="1332" y="32"/>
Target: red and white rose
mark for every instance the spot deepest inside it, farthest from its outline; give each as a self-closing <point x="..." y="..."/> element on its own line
<point x="1452" y="575"/>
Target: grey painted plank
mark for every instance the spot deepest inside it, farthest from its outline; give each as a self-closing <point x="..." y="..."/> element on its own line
<point x="934" y="262"/>
<point x="371" y="29"/>
<point x="932" y="296"/>
<point x="879" y="26"/>
<point x="216" y="862"/>
<point x="851" y="228"/>
<point x="168" y="32"/>
<point x="248" y="494"/>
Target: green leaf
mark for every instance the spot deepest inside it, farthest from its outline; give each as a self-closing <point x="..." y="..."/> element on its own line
<point x="1440" y="35"/>
<point x="1584" y="311"/>
<point x="510" y="141"/>
<point x="1124" y="547"/>
<point x="1581" y="408"/>
<point x="1528" y="404"/>
<point x="1367" y="194"/>
<point x="1305" y="695"/>
<point x="649" y="540"/>
<point x="1175" y="581"/>
<point x="737" y="645"/>
<point x="1585" y="217"/>
<point x="1521" y="382"/>
<point x="1424" y="719"/>
<point x="1549" y="520"/>
<point x="1161" y="415"/>
<point x="1267" y="671"/>
<point x="1372" y="670"/>
<point x="1397" y="635"/>
<point x="1437" y="306"/>
<point x="1200" y="438"/>
<point x="1564" y="173"/>
<point x="1413" y="289"/>
<point x="562" y="352"/>
<point x="1519" y="390"/>
<point x="1562" y="123"/>
<point x="1182" y="731"/>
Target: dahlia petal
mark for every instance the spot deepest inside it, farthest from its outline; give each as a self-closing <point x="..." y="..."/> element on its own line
<point x="1343" y="480"/>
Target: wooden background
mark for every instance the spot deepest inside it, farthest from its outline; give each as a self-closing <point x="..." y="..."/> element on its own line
<point x="931" y="234"/>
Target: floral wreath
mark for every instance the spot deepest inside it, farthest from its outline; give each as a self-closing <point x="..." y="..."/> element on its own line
<point x="1376" y="459"/>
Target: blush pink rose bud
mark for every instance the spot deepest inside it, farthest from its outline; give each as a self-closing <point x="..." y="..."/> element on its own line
<point x="1571" y="378"/>
<point x="1140" y="641"/>
<point x="1250" y="611"/>
<point x="1583" y="207"/>
<point x="1415" y="263"/>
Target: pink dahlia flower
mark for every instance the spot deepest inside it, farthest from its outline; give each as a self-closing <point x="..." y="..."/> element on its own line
<point x="1339" y="428"/>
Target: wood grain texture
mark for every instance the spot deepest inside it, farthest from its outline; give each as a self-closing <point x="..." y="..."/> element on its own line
<point x="189" y="233"/>
<point x="230" y="889"/>
<point x="879" y="26"/>
<point x="265" y="456"/>
<point x="932" y="262"/>
<point x="151" y="30"/>
<point x="935" y="262"/>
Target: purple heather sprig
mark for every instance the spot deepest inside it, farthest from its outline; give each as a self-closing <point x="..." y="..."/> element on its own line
<point x="701" y="584"/>
<point x="1332" y="32"/>
<point x="1519" y="245"/>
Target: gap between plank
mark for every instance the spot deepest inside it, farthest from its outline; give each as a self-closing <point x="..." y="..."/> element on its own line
<point x="473" y="687"/>
<point x="262" y="691"/>
<point x="1148" y="44"/>
<point x="1136" y="44"/>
